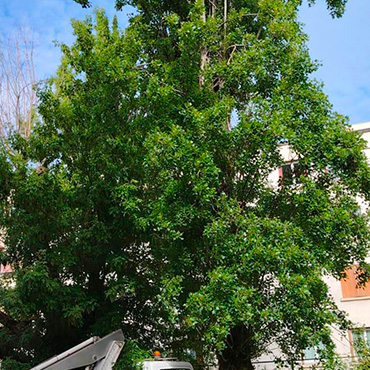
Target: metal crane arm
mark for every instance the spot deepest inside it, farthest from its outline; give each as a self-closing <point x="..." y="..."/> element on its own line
<point x="95" y="353"/>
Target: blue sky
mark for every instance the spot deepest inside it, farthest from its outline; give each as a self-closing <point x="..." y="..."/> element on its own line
<point x="342" y="45"/>
<point x="50" y="21"/>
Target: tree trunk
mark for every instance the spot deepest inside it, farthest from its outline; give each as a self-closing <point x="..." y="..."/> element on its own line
<point x="237" y="354"/>
<point x="203" y="53"/>
<point x="225" y="15"/>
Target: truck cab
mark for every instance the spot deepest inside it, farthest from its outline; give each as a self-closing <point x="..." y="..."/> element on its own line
<point x="166" y="364"/>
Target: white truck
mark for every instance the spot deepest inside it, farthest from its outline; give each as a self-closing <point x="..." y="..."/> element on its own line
<point x="101" y="354"/>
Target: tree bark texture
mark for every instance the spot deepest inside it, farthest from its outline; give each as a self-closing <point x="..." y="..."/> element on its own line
<point x="237" y="355"/>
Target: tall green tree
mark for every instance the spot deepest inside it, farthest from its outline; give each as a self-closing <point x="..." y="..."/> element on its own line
<point x="69" y="200"/>
<point x="244" y="261"/>
<point x="143" y="198"/>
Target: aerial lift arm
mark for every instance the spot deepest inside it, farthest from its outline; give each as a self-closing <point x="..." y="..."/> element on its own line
<point x="94" y="353"/>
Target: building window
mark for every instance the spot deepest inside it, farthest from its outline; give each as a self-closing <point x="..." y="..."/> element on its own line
<point x="350" y="289"/>
<point x="291" y="172"/>
<point x="313" y="353"/>
<point x="360" y="340"/>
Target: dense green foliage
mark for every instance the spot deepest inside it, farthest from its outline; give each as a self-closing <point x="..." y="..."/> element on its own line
<point x="71" y="234"/>
<point x="142" y="200"/>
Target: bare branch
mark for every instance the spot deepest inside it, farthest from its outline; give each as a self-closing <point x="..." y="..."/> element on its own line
<point x="17" y="82"/>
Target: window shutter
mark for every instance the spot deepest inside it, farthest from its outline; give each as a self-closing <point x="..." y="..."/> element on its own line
<point x="349" y="285"/>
